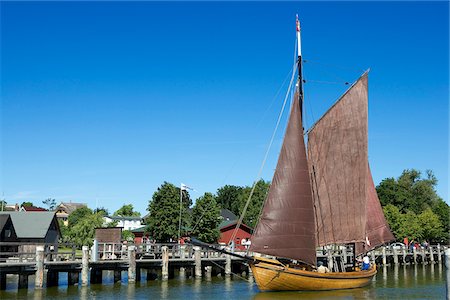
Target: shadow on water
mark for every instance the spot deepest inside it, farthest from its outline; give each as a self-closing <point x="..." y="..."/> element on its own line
<point x="395" y="282"/>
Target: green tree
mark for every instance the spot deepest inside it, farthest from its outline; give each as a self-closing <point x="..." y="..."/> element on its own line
<point x="442" y="210"/>
<point x="228" y="197"/>
<point x="102" y="210"/>
<point x="78" y="215"/>
<point x="431" y="226"/>
<point x="127" y="210"/>
<point x="82" y="233"/>
<point x="410" y="191"/>
<point x="206" y="219"/>
<point x="164" y="212"/>
<point x="254" y="208"/>
<point x="402" y="225"/>
<point x="50" y="203"/>
<point x="27" y="204"/>
<point x="65" y="232"/>
<point x="127" y="235"/>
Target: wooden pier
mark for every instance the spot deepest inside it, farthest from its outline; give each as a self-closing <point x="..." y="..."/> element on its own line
<point x="161" y="261"/>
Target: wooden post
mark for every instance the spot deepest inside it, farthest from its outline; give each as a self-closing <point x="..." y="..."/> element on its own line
<point x="165" y="263"/>
<point x="117" y="275"/>
<point x="182" y="256"/>
<point x="39" y="280"/>
<point x="198" y="262"/>
<point x="208" y="272"/>
<point x="52" y="278"/>
<point x="2" y="281"/>
<point x="415" y="255"/>
<point x="138" y="274"/>
<point x="372" y="253"/>
<point x="96" y="275"/>
<point x="227" y="265"/>
<point x="447" y="259"/>
<point x="330" y="259"/>
<point x="431" y="254"/>
<point x="383" y="252"/>
<point x="439" y="253"/>
<point x="23" y="281"/>
<point x="152" y="274"/>
<point x="85" y="266"/>
<point x="73" y="277"/>
<point x="404" y="254"/>
<point x="424" y="256"/>
<point x="131" y="264"/>
<point x="394" y="252"/>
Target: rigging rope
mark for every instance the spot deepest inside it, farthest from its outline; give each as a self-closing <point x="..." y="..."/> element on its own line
<point x="238" y="224"/>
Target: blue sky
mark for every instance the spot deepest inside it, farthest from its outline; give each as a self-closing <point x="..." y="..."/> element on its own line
<point x="104" y="101"/>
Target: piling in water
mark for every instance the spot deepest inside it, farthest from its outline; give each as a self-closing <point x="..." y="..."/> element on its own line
<point x="198" y="262"/>
<point x="165" y="263"/>
<point x="39" y="280"/>
<point x="85" y="266"/>
<point x="227" y="265"/>
<point x="131" y="264"/>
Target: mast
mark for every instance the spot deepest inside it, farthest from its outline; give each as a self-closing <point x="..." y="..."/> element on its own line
<point x="299" y="64"/>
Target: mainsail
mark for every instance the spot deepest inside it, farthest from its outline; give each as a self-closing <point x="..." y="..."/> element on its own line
<point x="287" y="227"/>
<point x="337" y="154"/>
<point x="377" y="229"/>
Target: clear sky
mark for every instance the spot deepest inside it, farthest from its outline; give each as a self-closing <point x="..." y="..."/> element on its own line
<point x="104" y="101"/>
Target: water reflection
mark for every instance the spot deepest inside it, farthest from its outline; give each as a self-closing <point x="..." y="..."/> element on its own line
<point x="164" y="289"/>
<point x="131" y="290"/>
<point x="396" y="275"/>
<point x="84" y="291"/>
<point x="38" y="294"/>
<point x="390" y="282"/>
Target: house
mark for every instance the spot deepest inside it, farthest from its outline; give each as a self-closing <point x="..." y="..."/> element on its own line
<point x="9" y="207"/>
<point x="64" y="210"/>
<point x="32" y="208"/>
<point x="227" y="215"/>
<point x="126" y="222"/>
<point x="109" y="242"/>
<point x="7" y="235"/>
<point x="226" y="232"/>
<point x="33" y="229"/>
<point x="140" y="236"/>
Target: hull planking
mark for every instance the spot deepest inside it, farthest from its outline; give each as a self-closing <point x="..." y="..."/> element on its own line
<point x="271" y="275"/>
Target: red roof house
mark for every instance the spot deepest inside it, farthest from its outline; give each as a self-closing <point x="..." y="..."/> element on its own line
<point x="226" y="231"/>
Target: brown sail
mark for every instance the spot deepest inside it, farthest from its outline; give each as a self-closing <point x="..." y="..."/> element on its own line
<point x="377" y="229"/>
<point x="337" y="153"/>
<point x="287" y="227"/>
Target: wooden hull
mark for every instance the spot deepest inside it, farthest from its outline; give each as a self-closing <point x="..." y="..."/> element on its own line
<point x="271" y="275"/>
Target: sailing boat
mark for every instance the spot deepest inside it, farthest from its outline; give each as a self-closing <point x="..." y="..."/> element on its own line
<point x="319" y="196"/>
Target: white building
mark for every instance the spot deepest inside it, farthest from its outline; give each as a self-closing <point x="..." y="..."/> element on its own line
<point x="127" y="223"/>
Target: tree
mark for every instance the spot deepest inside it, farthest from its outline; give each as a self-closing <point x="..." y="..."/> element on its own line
<point x="206" y="219"/>
<point x="164" y="212"/>
<point x="82" y="233"/>
<point x="410" y="191"/>
<point x="102" y="210"/>
<point x="431" y="226"/>
<point x="50" y="203"/>
<point x="65" y="232"/>
<point x="78" y="215"/>
<point x="442" y="210"/>
<point x="26" y="204"/>
<point x="127" y="235"/>
<point x="254" y="208"/>
<point x="228" y="196"/>
<point x="127" y="210"/>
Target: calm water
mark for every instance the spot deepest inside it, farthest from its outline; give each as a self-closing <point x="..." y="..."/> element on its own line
<point x="403" y="282"/>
